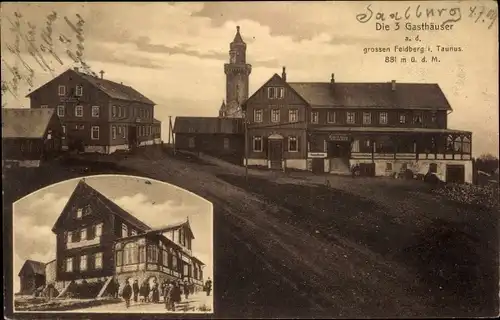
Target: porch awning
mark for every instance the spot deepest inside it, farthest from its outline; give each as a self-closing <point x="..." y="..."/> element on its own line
<point x="386" y="130"/>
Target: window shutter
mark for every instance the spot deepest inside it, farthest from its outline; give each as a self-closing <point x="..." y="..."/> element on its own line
<point x="264" y="145"/>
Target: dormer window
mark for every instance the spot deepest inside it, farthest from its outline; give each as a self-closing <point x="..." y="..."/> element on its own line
<point x="79" y="213"/>
<point x="79" y="91"/>
<point x="62" y="91"/>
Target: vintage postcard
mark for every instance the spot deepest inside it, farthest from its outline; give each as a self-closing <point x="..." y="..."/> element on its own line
<point x="302" y="159"/>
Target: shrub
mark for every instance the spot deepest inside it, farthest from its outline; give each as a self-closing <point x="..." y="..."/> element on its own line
<point x="485" y="196"/>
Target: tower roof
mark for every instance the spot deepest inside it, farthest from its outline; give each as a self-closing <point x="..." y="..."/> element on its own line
<point x="223" y="105"/>
<point x="237" y="37"/>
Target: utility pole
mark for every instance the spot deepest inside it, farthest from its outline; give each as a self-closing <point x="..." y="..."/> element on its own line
<point x="169" y="128"/>
<point x="246" y="147"/>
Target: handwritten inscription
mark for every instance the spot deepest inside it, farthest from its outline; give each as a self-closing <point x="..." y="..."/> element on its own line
<point x="408" y="18"/>
<point x="39" y="44"/>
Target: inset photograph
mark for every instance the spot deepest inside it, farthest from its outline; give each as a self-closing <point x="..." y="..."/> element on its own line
<point x="113" y="244"/>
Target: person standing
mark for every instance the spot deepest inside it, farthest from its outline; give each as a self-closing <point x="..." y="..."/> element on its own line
<point x="186" y="289"/>
<point x="167" y="296"/>
<point x="175" y="295"/>
<point x="208" y="286"/>
<point x="144" y="290"/>
<point x="155" y="292"/>
<point x="127" y="293"/>
<point x="135" y="289"/>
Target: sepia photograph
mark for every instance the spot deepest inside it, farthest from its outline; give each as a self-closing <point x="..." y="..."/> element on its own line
<point x="112" y="243"/>
<point x="278" y="159"/>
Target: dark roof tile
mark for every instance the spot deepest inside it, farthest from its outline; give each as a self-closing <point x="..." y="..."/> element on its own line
<point x="208" y="125"/>
<point x="25" y="123"/>
<point x="372" y="95"/>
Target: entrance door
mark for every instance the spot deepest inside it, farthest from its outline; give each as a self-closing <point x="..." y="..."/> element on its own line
<point x="455" y="173"/>
<point x="339" y="152"/>
<point x="318" y="165"/>
<point x="338" y="149"/>
<point x="132" y="136"/>
<point x="275" y="153"/>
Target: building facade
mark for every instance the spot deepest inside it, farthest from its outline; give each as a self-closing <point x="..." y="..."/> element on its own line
<point x="31" y="276"/>
<point x="335" y="127"/>
<point x="30" y="136"/>
<point x="237" y="78"/>
<point x="221" y="137"/>
<point x="94" y="234"/>
<point x="98" y="115"/>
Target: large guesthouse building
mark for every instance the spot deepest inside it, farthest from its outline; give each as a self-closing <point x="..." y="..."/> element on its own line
<point x="97" y="114"/>
<point x="333" y="127"/>
<point x="100" y="243"/>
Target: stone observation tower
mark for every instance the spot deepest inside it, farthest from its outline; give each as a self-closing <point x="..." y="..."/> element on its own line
<point x="237" y="76"/>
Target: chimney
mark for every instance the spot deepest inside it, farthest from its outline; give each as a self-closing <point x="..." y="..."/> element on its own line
<point x="75" y="69"/>
<point x="393" y="85"/>
<point x="283" y="74"/>
<point x="332" y="80"/>
<point x="102" y="74"/>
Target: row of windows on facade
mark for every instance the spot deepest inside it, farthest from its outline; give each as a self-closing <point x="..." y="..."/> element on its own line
<point x="293" y="116"/>
<point x="452" y="145"/>
<point x="293" y="144"/>
<point x="83" y="234"/>
<point x="192" y="143"/>
<point x="116" y="111"/>
<point x="134" y="254"/>
<point x="78" y="91"/>
<point x="275" y="93"/>
<point x="142" y="131"/>
<point x="456" y="145"/>
<point x="83" y="263"/>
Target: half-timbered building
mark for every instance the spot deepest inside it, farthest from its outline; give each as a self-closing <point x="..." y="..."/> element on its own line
<point x="99" y="242"/>
<point x="333" y="127"/>
<point x="97" y="114"/>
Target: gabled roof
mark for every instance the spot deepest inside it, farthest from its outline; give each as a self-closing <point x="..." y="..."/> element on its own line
<point x="198" y="260"/>
<point x="373" y="95"/>
<point x="174" y="226"/>
<point x="156" y="120"/>
<point x="25" y="123"/>
<point x="112" y="89"/>
<point x="279" y="79"/>
<point x="36" y="267"/>
<point x="84" y="190"/>
<point x="208" y="125"/>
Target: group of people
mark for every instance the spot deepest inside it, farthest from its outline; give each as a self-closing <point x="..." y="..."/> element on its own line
<point x="171" y="291"/>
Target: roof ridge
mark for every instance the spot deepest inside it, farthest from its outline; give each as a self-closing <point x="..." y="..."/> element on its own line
<point x="83" y="183"/>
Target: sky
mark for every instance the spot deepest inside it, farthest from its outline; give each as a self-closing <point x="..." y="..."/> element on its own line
<point x="176" y="54"/>
<point x="156" y="204"/>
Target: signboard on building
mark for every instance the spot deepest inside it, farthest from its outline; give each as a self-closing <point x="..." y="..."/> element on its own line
<point x="338" y="137"/>
<point x="316" y="154"/>
<point x="68" y="99"/>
